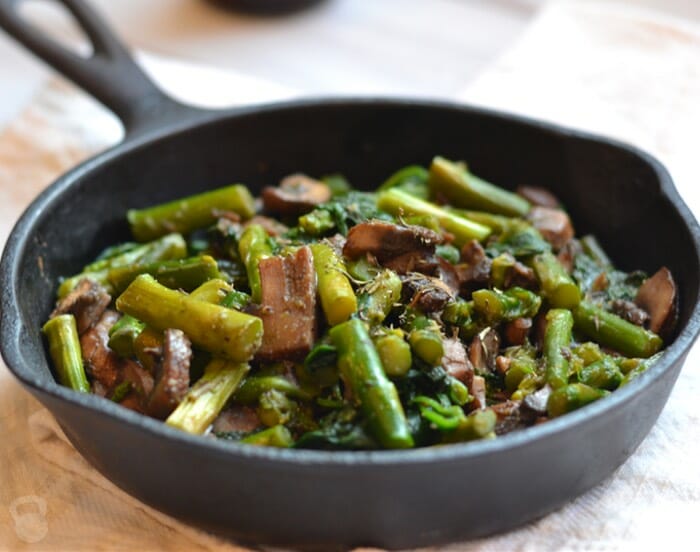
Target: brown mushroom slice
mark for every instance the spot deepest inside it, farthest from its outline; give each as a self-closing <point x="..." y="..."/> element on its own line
<point x="287" y="306"/>
<point x="87" y="302"/>
<point x="554" y="225"/>
<point x="455" y="361"/>
<point x="475" y="270"/>
<point x="425" y="293"/>
<point x="630" y="312"/>
<point x="659" y="297"/>
<point x="387" y="241"/>
<point x="236" y="419"/>
<point x="484" y="350"/>
<point x="172" y="374"/>
<point x="538" y="196"/>
<point x="101" y="363"/>
<point x="297" y="194"/>
<point x="516" y="331"/>
<point x="477" y="389"/>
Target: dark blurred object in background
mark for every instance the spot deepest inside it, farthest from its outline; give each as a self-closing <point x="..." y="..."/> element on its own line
<point x="265" y="7"/>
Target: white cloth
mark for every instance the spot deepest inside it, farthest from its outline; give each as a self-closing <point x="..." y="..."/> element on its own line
<point x="594" y="65"/>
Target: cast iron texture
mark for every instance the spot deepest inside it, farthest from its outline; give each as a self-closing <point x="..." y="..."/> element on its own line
<point x="323" y="499"/>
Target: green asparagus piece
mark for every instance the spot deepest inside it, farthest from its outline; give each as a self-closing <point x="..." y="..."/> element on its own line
<point x="337" y="297"/>
<point x="557" y="340"/>
<point x="254" y="246"/>
<point x="167" y="248"/>
<point x="634" y="367"/>
<point x="448" y="252"/>
<point x="275" y="408"/>
<point x="571" y="397"/>
<point x="64" y="348"/>
<point x="216" y="329"/>
<point x="205" y="400"/>
<point x="278" y="436"/>
<point x="317" y="222"/>
<point x="238" y="300"/>
<point x="377" y="298"/>
<point x="497" y="223"/>
<point x="399" y="203"/>
<point x="212" y="291"/>
<point x="190" y="213"/>
<point x="362" y="269"/>
<point x="477" y="425"/>
<point x="460" y="313"/>
<point x="412" y="179"/>
<point x="601" y="374"/>
<point x="463" y="189"/>
<point x="256" y="385"/>
<point x="425" y="339"/>
<point x="497" y="306"/>
<point x="614" y="332"/>
<point x="394" y="353"/>
<point x="186" y="274"/>
<point x="557" y="286"/>
<point x="123" y="335"/>
<point x="361" y="368"/>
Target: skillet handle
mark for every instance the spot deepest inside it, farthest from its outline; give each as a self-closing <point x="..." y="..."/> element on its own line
<point x="109" y="74"/>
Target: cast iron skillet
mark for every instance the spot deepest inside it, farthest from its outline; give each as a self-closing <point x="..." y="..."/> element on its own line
<point x="311" y="498"/>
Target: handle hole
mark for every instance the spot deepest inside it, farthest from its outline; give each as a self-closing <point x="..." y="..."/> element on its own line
<point x="56" y="22"/>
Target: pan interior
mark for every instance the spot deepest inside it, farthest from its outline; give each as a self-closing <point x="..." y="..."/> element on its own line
<point x="609" y="190"/>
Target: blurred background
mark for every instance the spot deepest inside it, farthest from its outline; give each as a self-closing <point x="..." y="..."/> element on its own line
<point x="398" y="47"/>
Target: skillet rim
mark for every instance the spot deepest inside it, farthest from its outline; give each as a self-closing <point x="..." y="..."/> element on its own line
<point x="11" y="324"/>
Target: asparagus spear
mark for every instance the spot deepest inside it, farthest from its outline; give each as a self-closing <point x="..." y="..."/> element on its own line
<point x="503" y="306"/>
<point x="216" y="329"/>
<point x="337" y="297"/>
<point x="572" y="396"/>
<point x="394" y="353"/>
<point x="612" y="331"/>
<point x="64" y="348"/>
<point x="277" y="436"/>
<point x="167" y="248"/>
<point x="206" y="398"/>
<point x="397" y="202"/>
<point x="362" y="370"/>
<point x="601" y="374"/>
<point x="557" y="339"/>
<point x="378" y="297"/>
<point x="557" y="286"/>
<point x="463" y="189"/>
<point x="186" y="274"/>
<point x="425" y="338"/>
<point x="253" y="247"/>
<point x="189" y="213"/>
<point x="412" y="179"/>
<point x="212" y="291"/>
<point x="255" y="385"/>
<point x="123" y="335"/>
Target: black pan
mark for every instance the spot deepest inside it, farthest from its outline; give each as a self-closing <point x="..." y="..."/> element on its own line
<point x="384" y="498"/>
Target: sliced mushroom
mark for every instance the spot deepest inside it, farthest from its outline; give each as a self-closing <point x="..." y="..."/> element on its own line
<point x="520" y="275"/>
<point x="658" y="296"/>
<point x="455" y="361"/>
<point x="484" y="350"/>
<point x="288" y="306"/>
<point x="101" y="363"/>
<point x="172" y="374"/>
<point x="630" y="312"/>
<point x="477" y="389"/>
<point x="516" y="331"/>
<point x="387" y="241"/>
<point x="508" y="417"/>
<point x="538" y="196"/>
<point x="87" y="302"/>
<point x="297" y="194"/>
<point x="567" y="254"/>
<point x="475" y="270"/>
<point x="554" y="225"/>
<point x="236" y="419"/>
<point x="425" y="293"/>
<point x="537" y="402"/>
